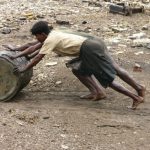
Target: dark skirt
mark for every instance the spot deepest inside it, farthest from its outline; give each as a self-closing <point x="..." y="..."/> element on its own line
<point x="94" y="60"/>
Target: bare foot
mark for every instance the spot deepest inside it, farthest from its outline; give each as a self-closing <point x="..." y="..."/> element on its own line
<point x="94" y="97"/>
<point x="137" y="102"/>
<point x="89" y="96"/>
<point x="141" y="92"/>
<point x="98" y="97"/>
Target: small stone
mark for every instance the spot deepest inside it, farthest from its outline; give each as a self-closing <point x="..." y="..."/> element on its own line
<point x="28" y="14"/>
<point x="138" y="53"/>
<point x="116" y="29"/>
<point x="56" y="125"/>
<point x="40" y="16"/>
<point x="62" y="22"/>
<point x="148" y="46"/>
<point x="58" y="82"/>
<point x="87" y="29"/>
<point x="51" y="64"/>
<point x="114" y="40"/>
<point x="64" y="146"/>
<point x="63" y="135"/>
<point x="22" y="18"/>
<point x="84" y="22"/>
<point x="52" y="141"/>
<point x="137" y="35"/>
<point x="4" y="124"/>
<point x="46" y="117"/>
<point x="21" y="123"/>
<point x="1" y="25"/>
<point x="141" y="42"/>
<point x="6" y="30"/>
<point x="145" y="27"/>
<point x="137" y="68"/>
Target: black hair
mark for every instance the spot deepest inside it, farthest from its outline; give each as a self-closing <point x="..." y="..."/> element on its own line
<point x="41" y="27"/>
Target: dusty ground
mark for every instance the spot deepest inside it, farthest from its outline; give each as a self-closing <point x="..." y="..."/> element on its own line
<point x="50" y="116"/>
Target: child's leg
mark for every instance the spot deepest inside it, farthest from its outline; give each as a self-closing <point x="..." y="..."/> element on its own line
<point x="124" y="75"/>
<point x="100" y="90"/>
<point x="96" y="89"/>
<point x="136" y="98"/>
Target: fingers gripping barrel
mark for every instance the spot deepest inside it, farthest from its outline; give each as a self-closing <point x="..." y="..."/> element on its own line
<point x="10" y="83"/>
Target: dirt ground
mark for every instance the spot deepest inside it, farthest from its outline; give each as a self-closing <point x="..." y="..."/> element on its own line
<point x="49" y="115"/>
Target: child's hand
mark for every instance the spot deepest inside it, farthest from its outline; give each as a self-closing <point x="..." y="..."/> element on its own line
<point x="9" y="47"/>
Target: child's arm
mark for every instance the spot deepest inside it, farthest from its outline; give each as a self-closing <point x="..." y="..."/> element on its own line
<point x="21" y="48"/>
<point x="34" y="61"/>
<point x="33" y="54"/>
<point x="29" y="50"/>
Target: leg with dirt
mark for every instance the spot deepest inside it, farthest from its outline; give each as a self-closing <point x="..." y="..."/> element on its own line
<point x="124" y="75"/>
<point x="136" y="98"/>
<point x="96" y="90"/>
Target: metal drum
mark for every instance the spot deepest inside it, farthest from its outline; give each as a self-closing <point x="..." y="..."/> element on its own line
<point x="10" y="83"/>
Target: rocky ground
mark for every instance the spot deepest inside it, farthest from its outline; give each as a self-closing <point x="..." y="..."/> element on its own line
<point x="48" y="114"/>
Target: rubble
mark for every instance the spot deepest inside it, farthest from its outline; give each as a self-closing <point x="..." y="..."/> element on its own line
<point x="120" y="9"/>
<point x="118" y="29"/>
<point x="141" y="42"/>
<point x="137" y="68"/>
<point x="62" y="22"/>
<point x="51" y="64"/>
<point x="127" y="10"/>
<point x="138" y="35"/>
<point x="5" y="30"/>
<point x="58" y="82"/>
<point x="139" y="53"/>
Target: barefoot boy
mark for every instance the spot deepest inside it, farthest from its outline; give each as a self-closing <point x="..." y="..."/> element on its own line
<point x="94" y="57"/>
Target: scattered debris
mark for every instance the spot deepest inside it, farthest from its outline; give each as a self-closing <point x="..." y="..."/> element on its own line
<point x="84" y="22"/>
<point x="46" y="117"/>
<point x="62" y="22"/>
<point x="148" y="46"/>
<point x="64" y="147"/>
<point x="5" y="30"/>
<point x="141" y="42"/>
<point x="51" y="64"/>
<point x="138" y="53"/>
<point x="29" y="16"/>
<point x="146" y="27"/>
<point x="138" y="35"/>
<point x="63" y="135"/>
<point x="23" y="18"/>
<point x="127" y="10"/>
<point x="120" y="9"/>
<point x="58" y="82"/>
<point x="94" y="3"/>
<point x="137" y="68"/>
<point x="115" y="40"/>
<point x="117" y="29"/>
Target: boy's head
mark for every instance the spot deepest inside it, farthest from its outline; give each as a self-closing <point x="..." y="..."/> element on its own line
<point x="41" y="30"/>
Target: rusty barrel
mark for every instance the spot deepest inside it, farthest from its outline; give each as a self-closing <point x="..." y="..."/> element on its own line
<point x="10" y="83"/>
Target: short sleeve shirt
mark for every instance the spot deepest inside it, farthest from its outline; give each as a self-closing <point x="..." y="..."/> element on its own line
<point x="62" y="43"/>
